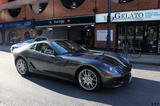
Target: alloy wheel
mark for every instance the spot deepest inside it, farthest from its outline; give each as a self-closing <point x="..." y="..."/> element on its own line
<point x="88" y="79"/>
<point x="21" y="66"/>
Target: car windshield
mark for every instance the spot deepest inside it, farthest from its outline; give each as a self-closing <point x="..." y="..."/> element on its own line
<point x="28" y="41"/>
<point x="66" y="46"/>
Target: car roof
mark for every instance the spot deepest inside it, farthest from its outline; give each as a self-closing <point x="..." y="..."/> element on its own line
<point x="50" y="40"/>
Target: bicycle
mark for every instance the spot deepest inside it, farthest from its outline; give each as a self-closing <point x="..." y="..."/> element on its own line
<point x="129" y="48"/>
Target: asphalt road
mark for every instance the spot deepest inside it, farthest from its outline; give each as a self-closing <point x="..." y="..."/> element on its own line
<point x="38" y="90"/>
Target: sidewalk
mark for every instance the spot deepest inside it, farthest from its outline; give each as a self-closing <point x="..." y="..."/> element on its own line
<point x="146" y="59"/>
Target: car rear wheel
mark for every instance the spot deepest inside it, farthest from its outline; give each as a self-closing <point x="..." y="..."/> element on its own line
<point x="22" y="67"/>
<point x="89" y="79"/>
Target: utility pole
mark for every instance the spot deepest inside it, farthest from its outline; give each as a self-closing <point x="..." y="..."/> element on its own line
<point x="108" y="41"/>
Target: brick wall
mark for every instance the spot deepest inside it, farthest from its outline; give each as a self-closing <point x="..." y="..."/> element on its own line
<point x="85" y="9"/>
<point x="133" y="5"/>
<point x="55" y="9"/>
<point x="46" y="14"/>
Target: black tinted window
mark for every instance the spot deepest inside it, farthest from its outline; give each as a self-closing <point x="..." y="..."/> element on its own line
<point x="40" y="39"/>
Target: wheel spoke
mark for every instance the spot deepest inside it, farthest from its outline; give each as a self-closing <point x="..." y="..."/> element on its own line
<point x="87" y="79"/>
<point x="21" y="66"/>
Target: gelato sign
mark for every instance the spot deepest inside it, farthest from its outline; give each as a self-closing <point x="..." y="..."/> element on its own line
<point x="131" y="16"/>
<point x="144" y="15"/>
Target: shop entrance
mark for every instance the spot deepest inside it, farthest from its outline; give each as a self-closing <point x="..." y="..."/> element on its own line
<point x="83" y="35"/>
<point x="151" y="39"/>
<point x="143" y="37"/>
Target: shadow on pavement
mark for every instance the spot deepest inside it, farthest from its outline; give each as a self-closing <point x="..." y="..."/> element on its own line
<point x="4" y="48"/>
<point x="8" y="51"/>
<point x="141" y="92"/>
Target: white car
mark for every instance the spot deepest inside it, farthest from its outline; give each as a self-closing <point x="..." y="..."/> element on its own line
<point x="26" y="42"/>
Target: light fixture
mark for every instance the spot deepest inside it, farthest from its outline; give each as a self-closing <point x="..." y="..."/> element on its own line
<point x="74" y="5"/>
<point x="50" y="29"/>
<point x="68" y="26"/>
<point x="92" y="25"/>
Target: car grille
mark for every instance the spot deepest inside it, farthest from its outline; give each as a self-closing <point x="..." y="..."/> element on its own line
<point x="123" y="70"/>
<point x="125" y="77"/>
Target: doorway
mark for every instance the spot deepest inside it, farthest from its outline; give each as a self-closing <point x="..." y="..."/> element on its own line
<point x="144" y="37"/>
<point x="151" y="39"/>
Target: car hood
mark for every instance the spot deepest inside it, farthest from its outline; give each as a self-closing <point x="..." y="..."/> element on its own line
<point x="109" y="58"/>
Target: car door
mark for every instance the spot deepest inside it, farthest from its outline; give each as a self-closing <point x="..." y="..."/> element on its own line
<point x="45" y="61"/>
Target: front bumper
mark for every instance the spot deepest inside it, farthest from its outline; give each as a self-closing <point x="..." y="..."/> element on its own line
<point x="117" y="81"/>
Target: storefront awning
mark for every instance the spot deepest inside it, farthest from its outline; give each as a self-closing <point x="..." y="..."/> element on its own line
<point x="20" y="3"/>
<point x="67" y="21"/>
<point x="17" y="24"/>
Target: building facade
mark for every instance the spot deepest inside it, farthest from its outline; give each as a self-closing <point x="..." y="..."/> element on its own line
<point x="84" y="21"/>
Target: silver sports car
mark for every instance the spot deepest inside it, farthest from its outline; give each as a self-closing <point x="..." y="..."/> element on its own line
<point x="67" y="60"/>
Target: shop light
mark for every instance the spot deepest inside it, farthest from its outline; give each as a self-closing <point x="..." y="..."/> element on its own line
<point x="92" y="25"/>
<point x="74" y="5"/>
<point x="50" y="29"/>
<point x="124" y="1"/>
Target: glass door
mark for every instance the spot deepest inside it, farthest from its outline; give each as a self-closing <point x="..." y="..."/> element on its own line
<point x="138" y="38"/>
<point x="159" y="40"/>
<point x="151" y="38"/>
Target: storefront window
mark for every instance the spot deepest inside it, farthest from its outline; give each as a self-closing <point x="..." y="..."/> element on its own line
<point x="133" y="34"/>
<point x="39" y="7"/>
<point x="72" y="4"/>
<point x="138" y="38"/>
<point x="159" y="41"/>
<point x="14" y="12"/>
<point x="13" y="37"/>
<point x="121" y="35"/>
<point x="151" y="39"/>
<point x="145" y="38"/>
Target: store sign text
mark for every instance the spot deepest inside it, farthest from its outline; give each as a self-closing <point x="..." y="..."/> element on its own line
<point x="125" y="16"/>
<point x="143" y="15"/>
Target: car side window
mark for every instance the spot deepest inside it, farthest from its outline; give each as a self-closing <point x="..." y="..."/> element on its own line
<point x="40" y="39"/>
<point x="43" y="48"/>
<point x="33" y="47"/>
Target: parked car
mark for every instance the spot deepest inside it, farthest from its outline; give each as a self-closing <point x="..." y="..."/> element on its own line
<point x="67" y="60"/>
<point x="26" y="42"/>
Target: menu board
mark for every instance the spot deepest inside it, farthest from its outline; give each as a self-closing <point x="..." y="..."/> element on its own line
<point x="102" y="35"/>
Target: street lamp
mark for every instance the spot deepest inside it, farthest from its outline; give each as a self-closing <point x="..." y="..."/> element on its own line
<point x="108" y="41"/>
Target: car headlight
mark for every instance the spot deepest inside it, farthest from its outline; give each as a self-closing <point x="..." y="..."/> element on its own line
<point x="112" y="70"/>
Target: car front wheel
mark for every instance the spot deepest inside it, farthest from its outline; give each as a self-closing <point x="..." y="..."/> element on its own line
<point x="22" y="67"/>
<point x="89" y="79"/>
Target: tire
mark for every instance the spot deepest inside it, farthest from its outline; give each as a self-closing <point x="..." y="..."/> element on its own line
<point x="88" y="79"/>
<point x="22" y="67"/>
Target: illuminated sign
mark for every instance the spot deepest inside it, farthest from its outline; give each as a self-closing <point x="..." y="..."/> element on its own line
<point x="144" y="15"/>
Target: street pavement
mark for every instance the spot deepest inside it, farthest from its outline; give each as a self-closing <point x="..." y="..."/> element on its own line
<point x="38" y="90"/>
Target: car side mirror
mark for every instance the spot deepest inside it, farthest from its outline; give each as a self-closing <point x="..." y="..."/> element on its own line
<point x="49" y="52"/>
<point x="84" y="47"/>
